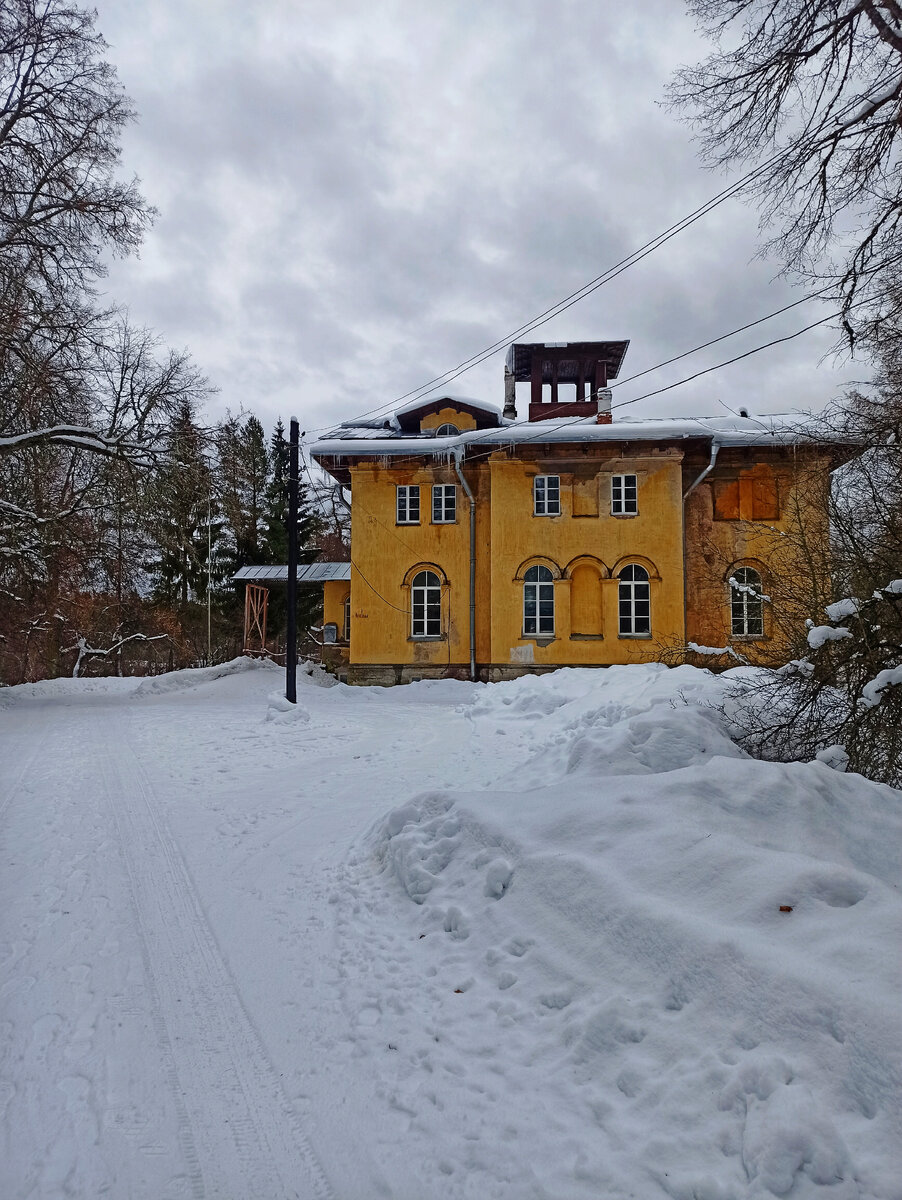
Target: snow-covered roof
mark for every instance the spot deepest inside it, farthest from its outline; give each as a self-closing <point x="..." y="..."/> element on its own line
<point x="444" y="401"/>
<point x="782" y="429"/>
<point x="318" y="572"/>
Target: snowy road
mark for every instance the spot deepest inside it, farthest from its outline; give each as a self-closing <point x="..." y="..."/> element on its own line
<point x="519" y="943"/>
<point x="144" y="1003"/>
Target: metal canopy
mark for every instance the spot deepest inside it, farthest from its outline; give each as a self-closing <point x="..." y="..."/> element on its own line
<point x="311" y="573"/>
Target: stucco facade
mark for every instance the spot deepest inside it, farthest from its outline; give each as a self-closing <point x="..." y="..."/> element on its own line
<point x="688" y="534"/>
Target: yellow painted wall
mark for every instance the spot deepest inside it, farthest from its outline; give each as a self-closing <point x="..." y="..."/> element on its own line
<point x="729" y="524"/>
<point x="385" y="556"/>
<point x="585" y="552"/>
<point x="754" y="509"/>
<point x="335" y="592"/>
<point x="448" y="416"/>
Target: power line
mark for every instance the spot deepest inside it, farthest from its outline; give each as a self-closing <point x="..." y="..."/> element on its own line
<point x="606" y="276"/>
<point x="492" y="433"/>
<point x="306" y="468"/>
<point x="722" y="338"/>
<point x="738" y="358"/>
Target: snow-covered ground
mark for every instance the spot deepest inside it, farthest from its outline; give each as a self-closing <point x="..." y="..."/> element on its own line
<point x="446" y="940"/>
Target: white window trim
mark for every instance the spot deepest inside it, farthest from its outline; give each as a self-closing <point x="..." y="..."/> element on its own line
<point x="618" y="483"/>
<point x="442" y="488"/>
<point x="426" y="589"/>
<point x="632" y="584"/>
<point x="537" y="584"/>
<point x="536" y="501"/>
<point x="406" y="489"/>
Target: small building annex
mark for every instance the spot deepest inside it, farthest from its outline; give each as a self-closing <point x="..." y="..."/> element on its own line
<point x="484" y="547"/>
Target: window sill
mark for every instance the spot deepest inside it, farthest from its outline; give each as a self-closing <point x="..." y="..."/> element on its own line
<point x="634" y="637"/>
<point x="407" y="523"/>
<point x="586" y="637"/>
<point x="543" y="516"/>
<point x="454" y="522"/>
<point x="540" y="639"/>
<point x="749" y="637"/>
<point x="623" y="516"/>
<point x="429" y="637"/>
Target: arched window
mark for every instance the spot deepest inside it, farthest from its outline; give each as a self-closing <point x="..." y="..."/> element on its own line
<point x="348" y="617"/>
<point x="426" y="605"/>
<point x="634" y="596"/>
<point x="447" y="430"/>
<point x="746" y="603"/>
<point x="538" y="601"/>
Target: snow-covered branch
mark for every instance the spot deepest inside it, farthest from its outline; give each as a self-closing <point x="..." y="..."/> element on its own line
<point x="86" y="651"/>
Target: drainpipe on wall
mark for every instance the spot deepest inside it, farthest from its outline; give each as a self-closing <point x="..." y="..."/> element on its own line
<point x="715" y="446"/>
<point x="472" y="499"/>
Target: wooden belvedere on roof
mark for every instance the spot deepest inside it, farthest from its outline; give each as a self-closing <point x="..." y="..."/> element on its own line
<point x="580" y="364"/>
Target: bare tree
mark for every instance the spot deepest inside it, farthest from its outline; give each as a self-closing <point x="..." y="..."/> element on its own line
<point x="841" y="697"/>
<point x="62" y="111"/>
<point x="811" y="91"/>
<point x="86" y="397"/>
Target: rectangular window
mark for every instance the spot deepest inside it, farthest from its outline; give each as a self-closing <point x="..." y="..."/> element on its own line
<point x="408" y="505"/>
<point x="444" y="503"/>
<point x="624" y="495"/>
<point x="546" y="492"/>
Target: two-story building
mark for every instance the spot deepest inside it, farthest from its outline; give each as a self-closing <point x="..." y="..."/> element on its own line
<point x="484" y="547"/>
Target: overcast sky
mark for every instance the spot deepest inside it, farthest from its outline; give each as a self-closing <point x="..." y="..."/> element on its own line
<point x="354" y="196"/>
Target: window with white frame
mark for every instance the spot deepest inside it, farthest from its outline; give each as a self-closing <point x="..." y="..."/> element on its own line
<point x="426" y="605"/>
<point x="408" y="505"/>
<point x="444" y="503"/>
<point x="634" y="597"/>
<point x="447" y="430"/>
<point x="546" y="494"/>
<point x="347" y="618"/>
<point x="538" y="601"/>
<point x="624" y="495"/>
<point x="746" y="603"/>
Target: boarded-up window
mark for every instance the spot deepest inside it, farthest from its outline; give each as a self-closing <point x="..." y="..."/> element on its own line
<point x="585" y="497"/>
<point x="585" y="601"/>
<point x="765" y="500"/>
<point x="726" y="500"/>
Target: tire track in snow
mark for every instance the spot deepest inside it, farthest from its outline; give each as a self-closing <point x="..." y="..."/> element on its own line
<point x="24" y="774"/>
<point x="240" y="1133"/>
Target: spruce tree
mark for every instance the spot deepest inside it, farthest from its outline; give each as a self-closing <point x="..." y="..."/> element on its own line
<point x="310" y="600"/>
<point x="183" y="509"/>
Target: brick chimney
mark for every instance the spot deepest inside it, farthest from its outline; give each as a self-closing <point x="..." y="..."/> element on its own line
<point x="604" y="407"/>
<point x="510" y="395"/>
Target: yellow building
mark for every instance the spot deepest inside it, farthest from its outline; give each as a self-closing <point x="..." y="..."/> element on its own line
<point x="483" y="547"/>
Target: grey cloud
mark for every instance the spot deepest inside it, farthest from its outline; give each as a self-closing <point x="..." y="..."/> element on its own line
<point x="371" y="197"/>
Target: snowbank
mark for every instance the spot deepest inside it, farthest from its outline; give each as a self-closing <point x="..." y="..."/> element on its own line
<point x="680" y="954"/>
<point x="178" y="681"/>
<point x="51" y="689"/>
<point x="192" y="677"/>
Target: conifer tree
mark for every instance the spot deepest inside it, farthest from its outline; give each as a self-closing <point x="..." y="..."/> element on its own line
<point x="309" y="606"/>
<point x="183" y="508"/>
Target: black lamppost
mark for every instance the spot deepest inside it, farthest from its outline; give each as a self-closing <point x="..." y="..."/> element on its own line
<point x="291" y="641"/>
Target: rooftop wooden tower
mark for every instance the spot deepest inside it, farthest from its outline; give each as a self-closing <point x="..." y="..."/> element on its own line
<point x="587" y="366"/>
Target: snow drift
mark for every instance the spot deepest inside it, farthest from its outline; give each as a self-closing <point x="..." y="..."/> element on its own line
<point x="684" y="956"/>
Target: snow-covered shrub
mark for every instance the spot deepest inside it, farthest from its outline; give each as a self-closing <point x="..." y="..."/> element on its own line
<point x="841" y="701"/>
